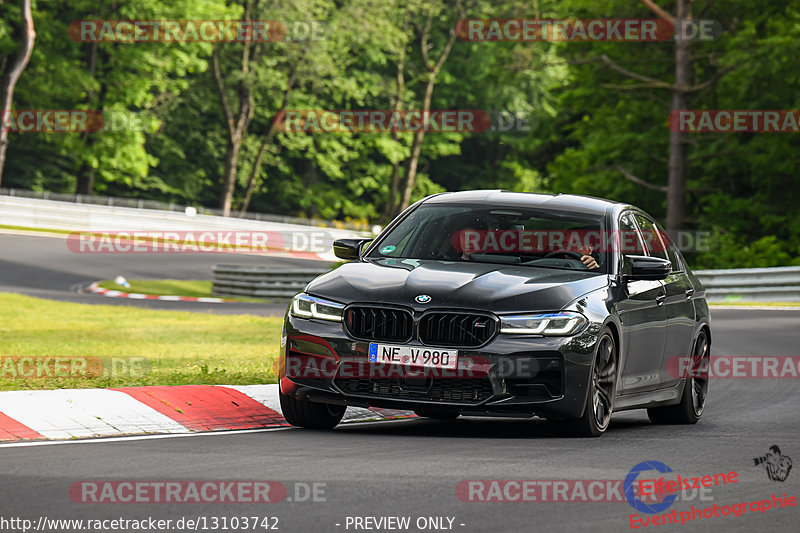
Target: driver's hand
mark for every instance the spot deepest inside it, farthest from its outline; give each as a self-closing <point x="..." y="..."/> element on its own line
<point x="589" y="262"/>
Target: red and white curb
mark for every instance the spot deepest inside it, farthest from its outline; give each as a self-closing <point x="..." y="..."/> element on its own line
<point x="90" y="413"/>
<point x="95" y="288"/>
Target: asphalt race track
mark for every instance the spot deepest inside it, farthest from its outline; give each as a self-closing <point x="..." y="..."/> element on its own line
<point x="42" y="266"/>
<point x="412" y="467"/>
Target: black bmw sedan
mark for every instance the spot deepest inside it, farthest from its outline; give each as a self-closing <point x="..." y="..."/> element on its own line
<point x="488" y="303"/>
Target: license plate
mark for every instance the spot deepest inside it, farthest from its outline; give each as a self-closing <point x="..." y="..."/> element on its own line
<point x="413" y="356"/>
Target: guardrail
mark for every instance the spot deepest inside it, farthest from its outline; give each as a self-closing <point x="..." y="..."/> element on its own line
<point x="260" y="282"/>
<point x="139" y="203"/>
<point x="311" y="242"/>
<point x="778" y="284"/>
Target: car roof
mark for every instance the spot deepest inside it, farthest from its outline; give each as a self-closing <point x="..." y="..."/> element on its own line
<point x="565" y="202"/>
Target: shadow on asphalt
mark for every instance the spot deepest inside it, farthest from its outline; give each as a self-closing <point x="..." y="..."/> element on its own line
<point x="487" y="428"/>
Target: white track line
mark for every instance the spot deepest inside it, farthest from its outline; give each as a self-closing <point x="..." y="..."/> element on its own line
<point x="26" y="444"/>
<point x="268" y="396"/>
<point x="81" y="413"/>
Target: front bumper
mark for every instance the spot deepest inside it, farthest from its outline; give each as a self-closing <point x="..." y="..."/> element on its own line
<point x="524" y="374"/>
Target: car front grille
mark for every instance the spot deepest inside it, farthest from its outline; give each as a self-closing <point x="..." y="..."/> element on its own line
<point x="455" y="390"/>
<point x="378" y="323"/>
<point x="456" y="329"/>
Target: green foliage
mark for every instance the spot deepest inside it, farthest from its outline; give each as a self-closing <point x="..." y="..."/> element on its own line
<point x="584" y="127"/>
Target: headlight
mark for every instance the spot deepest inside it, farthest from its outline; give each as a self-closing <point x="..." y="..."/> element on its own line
<point x="305" y="306"/>
<point x="551" y="324"/>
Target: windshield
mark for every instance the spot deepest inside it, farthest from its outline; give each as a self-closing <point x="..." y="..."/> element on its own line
<point x="492" y="234"/>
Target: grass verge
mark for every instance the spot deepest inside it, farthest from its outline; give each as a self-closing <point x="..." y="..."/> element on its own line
<point x="174" y="287"/>
<point x="137" y="346"/>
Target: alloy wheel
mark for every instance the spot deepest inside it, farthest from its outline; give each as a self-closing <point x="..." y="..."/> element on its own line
<point x="699" y="379"/>
<point x="603" y="382"/>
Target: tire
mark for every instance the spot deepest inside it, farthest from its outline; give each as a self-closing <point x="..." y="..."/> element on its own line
<point x="600" y="396"/>
<point x="695" y="390"/>
<point x="437" y="414"/>
<point x="307" y="414"/>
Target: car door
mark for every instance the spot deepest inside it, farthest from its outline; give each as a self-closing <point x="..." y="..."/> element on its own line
<point x="642" y="315"/>
<point x="679" y="307"/>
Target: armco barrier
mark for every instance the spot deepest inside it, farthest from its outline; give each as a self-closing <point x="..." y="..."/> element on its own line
<point x="49" y="214"/>
<point x="139" y="203"/>
<point x="260" y="282"/>
<point x="779" y="284"/>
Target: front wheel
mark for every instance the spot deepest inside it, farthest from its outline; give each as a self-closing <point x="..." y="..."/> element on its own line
<point x="307" y="414"/>
<point x="693" y="400"/>
<point x="600" y="396"/>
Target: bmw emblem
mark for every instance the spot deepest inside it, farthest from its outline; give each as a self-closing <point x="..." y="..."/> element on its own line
<point x="423" y="298"/>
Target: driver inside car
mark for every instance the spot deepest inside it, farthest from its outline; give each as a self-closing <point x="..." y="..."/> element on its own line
<point x="587" y="258"/>
<point x="464" y="251"/>
<point x="585" y="250"/>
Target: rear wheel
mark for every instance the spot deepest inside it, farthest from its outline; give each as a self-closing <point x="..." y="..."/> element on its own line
<point x="600" y="396"/>
<point x="693" y="400"/>
<point x="307" y="414"/>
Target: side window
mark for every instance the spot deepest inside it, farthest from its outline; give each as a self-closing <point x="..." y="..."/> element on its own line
<point x="652" y="238"/>
<point x="630" y="241"/>
<point x="672" y="250"/>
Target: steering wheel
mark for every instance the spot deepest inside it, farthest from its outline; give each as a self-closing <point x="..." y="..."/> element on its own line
<point x="441" y="255"/>
<point x="574" y="255"/>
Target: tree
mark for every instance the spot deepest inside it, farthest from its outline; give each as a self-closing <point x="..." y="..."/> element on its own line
<point x="9" y="82"/>
<point x="679" y="88"/>
<point x="126" y="82"/>
<point x="682" y="84"/>
<point x="432" y="68"/>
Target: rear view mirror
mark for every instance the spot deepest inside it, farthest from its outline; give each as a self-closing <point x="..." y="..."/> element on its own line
<point x="641" y="267"/>
<point x="348" y="249"/>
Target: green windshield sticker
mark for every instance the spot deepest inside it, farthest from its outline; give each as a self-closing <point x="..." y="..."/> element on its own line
<point x="388" y="249"/>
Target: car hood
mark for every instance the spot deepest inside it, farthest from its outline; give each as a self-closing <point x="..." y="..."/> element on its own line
<point x="493" y="287"/>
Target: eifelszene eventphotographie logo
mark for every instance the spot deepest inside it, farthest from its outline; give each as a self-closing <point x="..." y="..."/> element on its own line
<point x="777" y="466"/>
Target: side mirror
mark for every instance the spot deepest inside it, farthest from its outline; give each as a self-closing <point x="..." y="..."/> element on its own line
<point x="640" y="267"/>
<point x="348" y="249"/>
